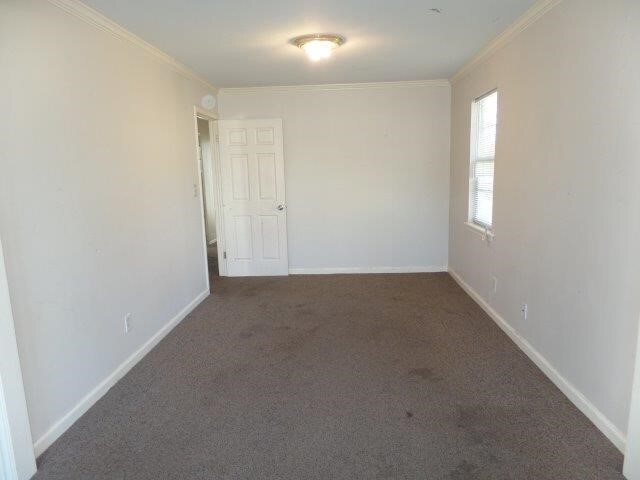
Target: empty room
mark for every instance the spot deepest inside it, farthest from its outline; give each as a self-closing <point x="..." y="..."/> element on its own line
<point x="319" y="240"/>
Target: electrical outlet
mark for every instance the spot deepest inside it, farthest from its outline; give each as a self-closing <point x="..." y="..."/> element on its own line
<point x="525" y="311"/>
<point x="127" y="323"/>
<point x="494" y="284"/>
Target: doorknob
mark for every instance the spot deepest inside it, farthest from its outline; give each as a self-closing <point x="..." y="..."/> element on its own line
<point x="280" y="207"/>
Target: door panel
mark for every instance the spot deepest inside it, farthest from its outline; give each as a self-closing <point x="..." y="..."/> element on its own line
<point x="254" y="197"/>
<point x="269" y="237"/>
<point x="237" y="137"/>
<point x="240" y="177"/>
<point x="267" y="176"/>
<point x="244" y="237"/>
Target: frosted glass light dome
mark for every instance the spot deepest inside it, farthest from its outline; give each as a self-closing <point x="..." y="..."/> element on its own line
<point x="318" y="46"/>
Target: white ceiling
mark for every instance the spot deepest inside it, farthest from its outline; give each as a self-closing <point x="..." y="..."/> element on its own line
<point x="236" y="43"/>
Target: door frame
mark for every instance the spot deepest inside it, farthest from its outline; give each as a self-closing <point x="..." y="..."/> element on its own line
<point x="632" y="455"/>
<point x="212" y="118"/>
<point x="17" y="457"/>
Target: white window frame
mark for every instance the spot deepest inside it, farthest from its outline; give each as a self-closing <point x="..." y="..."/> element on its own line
<point x="472" y="222"/>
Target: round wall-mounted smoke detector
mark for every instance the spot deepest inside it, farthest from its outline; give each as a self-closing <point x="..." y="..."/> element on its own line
<point x="208" y="102"/>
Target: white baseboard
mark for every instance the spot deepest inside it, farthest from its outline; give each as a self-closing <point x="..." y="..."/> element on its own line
<point x="59" y="427"/>
<point x="579" y="400"/>
<point x="352" y="270"/>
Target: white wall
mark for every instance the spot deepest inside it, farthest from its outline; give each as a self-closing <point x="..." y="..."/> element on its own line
<point x="97" y="211"/>
<point x="367" y="172"/>
<point x="567" y="196"/>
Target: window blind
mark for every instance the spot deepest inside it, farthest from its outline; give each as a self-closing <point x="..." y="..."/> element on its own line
<point x="483" y="151"/>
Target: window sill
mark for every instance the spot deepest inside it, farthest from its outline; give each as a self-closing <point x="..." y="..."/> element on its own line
<point x="485" y="233"/>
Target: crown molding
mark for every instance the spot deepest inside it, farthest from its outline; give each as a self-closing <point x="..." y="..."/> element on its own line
<point x="98" y="20"/>
<point x="537" y="11"/>
<point x="332" y="87"/>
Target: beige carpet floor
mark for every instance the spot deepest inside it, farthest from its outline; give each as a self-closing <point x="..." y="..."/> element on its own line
<point x="334" y="377"/>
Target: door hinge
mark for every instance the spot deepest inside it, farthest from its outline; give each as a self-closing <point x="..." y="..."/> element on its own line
<point x="224" y="255"/>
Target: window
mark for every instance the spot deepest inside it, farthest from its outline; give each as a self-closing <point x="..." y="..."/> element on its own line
<point x="484" y="116"/>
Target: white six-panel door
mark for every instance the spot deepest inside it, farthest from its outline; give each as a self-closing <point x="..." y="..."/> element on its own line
<point x="255" y="213"/>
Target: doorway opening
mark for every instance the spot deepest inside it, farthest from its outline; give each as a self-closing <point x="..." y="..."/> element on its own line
<point x="244" y="212"/>
<point x="211" y="194"/>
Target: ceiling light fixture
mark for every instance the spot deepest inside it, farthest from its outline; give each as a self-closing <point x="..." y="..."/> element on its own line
<point x="318" y="46"/>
